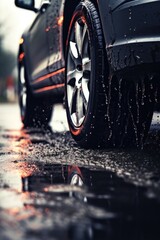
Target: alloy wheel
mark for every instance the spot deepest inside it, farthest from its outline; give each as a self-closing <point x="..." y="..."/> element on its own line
<point x="78" y="72"/>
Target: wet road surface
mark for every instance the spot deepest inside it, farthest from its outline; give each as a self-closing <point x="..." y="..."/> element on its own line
<point x="52" y="189"/>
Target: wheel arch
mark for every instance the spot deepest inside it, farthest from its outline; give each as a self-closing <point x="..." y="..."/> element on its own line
<point x="69" y="8"/>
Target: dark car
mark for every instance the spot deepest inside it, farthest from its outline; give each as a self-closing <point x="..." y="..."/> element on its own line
<point x="102" y="57"/>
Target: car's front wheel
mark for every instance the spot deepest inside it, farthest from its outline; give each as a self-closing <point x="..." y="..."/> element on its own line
<point x="34" y="111"/>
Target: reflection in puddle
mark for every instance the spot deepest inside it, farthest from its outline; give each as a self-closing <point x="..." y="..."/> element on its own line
<point x="71" y="202"/>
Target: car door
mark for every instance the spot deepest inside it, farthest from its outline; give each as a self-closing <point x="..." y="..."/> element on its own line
<point x="38" y="48"/>
<point x="54" y="32"/>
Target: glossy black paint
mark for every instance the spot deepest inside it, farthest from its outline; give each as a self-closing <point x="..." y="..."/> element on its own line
<point x="136" y="34"/>
<point x="130" y="28"/>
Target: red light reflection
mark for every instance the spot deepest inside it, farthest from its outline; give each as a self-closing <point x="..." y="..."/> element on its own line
<point x="21" y="56"/>
<point x="60" y="20"/>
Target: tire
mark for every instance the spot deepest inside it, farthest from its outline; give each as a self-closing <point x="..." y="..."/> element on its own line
<point x="130" y="109"/>
<point x="34" y="112"/>
<point x="85" y="89"/>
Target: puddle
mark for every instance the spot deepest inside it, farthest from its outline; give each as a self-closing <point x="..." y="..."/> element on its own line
<point x="71" y="202"/>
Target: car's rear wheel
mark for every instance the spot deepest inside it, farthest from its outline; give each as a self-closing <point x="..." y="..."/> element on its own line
<point x="103" y="108"/>
<point x="85" y="85"/>
<point x="34" y="112"/>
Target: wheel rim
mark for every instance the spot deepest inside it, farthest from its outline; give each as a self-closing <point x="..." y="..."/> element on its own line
<point x="76" y="180"/>
<point x="78" y="72"/>
<point x="22" y="91"/>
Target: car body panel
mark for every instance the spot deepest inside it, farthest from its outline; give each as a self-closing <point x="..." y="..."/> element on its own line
<point x="131" y="34"/>
<point x="41" y="55"/>
<point x="38" y="50"/>
<point x="136" y="34"/>
<point x="54" y="25"/>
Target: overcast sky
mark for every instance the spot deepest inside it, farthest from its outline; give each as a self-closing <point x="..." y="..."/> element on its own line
<point x="13" y="21"/>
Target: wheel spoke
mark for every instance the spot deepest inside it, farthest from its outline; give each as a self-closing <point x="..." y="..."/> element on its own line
<point x="85" y="91"/>
<point x="86" y="63"/>
<point x="76" y="105"/>
<point x="86" y="60"/>
<point x="71" y="78"/>
<point x="22" y="89"/>
<point x="84" y="34"/>
<point x="85" y="44"/>
<point x="74" y="78"/>
<point x="73" y="107"/>
<point x="79" y="108"/>
<point x="74" y="49"/>
<point x="22" y="76"/>
<point x="24" y="98"/>
<point x="78" y="36"/>
<point x="74" y="53"/>
<point x="73" y="100"/>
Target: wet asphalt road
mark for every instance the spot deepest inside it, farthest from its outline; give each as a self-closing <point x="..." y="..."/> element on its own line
<point x="52" y="189"/>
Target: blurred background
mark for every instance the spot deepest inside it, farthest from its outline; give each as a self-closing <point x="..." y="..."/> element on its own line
<point x="13" y="22"/>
